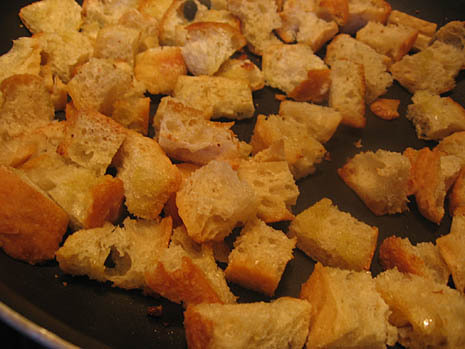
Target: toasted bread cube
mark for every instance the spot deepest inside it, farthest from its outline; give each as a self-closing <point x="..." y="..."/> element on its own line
<point x="208" y="45"/>
<point x="187" y="273"/>
<point x="435" y="117"/>
<point x="159" y="68"/>
<point x="457" y="195"/>
<point x="385" y="108"/>
<point x="422" y="259"/>
<point x="453" y="145"/>
<point x="133" y="113"/>
<point x="375" y="65"/>
<point x="243" y="68"/>
<point x="347" y="311"/>
<point x="297" y="71"/>
<point x="302" y="151"/>
<point x="380" y="179"/>
<point x="363" y="11"/>
<point x="31" y="225"/>
<point x="422" y="310"/>
<point x="259" y="257"/>
<point x="230" y="98"/>
<point x="453" y="33"/>
<point x="52" y="16"/>
<point x="213" y="200"/>
<point x="282" y="323"/>
<point x="154" y="8"/>
<point x="334" y="237"/>
<point x="133" y="249"/>
<point x="148" y="175"/>
<point x="333" y="10"/>
<point x="117" y="42"/>
<point x="145" y="24"/>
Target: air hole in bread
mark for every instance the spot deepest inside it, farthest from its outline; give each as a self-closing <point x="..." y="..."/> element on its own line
<point x="117" y="264"/>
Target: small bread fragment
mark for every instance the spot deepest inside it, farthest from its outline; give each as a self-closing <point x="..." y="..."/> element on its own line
<point x="380" y="179"/>
<point x="348" y="91"/>
<point x="208" y="45"/>
<point x="457" y="195"/>
<point x="453" y="145"/>
<point x="363" y="11"/>
<point x="145" y="24"/>
<point x="230" y="98"/>
<point x="386" y="109"/>
<point x="159" y="68"/>
<point x="51" y="16"/>
<point x="375" y="65"/>
<point x="320" y="121"/>
<point x="347" y="311"/>
<point x="243" y="68"/>
<point x="31" y="225"/>
<point x="117" y="42"/>
<point x="297" y="71"/>
<point x="187" y="272"/>
<point x="282" y="323"/>
<point x="302" y="151"/>
<point x="213" y="200"/>
<point x="259" y="257"/>
<point x="148" y="175"/>
<point x="451" y="249"/>
<point x="334" y="237"/>
<point x="422" y="259"/>
<point x="435" y="117"/>
<point x="132" y="250"/>
<point x="427" y="314"/>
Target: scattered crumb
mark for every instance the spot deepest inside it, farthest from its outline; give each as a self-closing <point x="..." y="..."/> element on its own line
<point x="385" y="108"/>
<point x="65" y="283"/>
<point x="328" y="156"/>
<point x="56" y="276"/>
<point x="155" y="311"/>
<point x="358" y="144"/>
<point x="280" y="97"/>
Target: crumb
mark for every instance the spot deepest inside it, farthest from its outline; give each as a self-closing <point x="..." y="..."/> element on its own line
<point x="155" y="311"/>
<point x="385" y="108"/>
<point x="328" y="156"/>
<point x="65" y="283"/>
<point x="358" y="144"/>
<point x="56" y="276"/>
<point x="280" y="97"/>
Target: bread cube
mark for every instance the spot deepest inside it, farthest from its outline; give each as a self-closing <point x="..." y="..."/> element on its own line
<point x="363" y="11"/>
<point x="133" y="113"/>
<point x="145" y="24"/>
<point x="243" y="68"/>
<point x="154" y="8"/>
<point x="334" y="237"/>
<point x="347" y="311"/>
<point x="117" y="42"/>
<point x="453" y="145"/>
<point x="457" y="195"/>
<point x="380" y="179"/>
<point x="453" y="33"/>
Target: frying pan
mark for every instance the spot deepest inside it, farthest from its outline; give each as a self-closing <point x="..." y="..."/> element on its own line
<point x="63" y="311"/>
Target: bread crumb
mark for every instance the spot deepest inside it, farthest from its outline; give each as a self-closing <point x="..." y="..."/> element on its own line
<point x="65" y="283"/>
<point x="155" y="311"/>
<point x="385" y="109"/>
<point x="358" y="143"/>
<point x="280" y="97"/>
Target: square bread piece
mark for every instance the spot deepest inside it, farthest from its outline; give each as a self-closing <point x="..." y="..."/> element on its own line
<point x="363" y="11"/>
<point x="435" y="117"/>
<point x="347" y="311"/>
<point x="282" y="323"/>
<point x="451" y="247"/>
<point x="422" y="259"/>
<point x="243" y="68"/>
<point x="229" y="98"/>
<point x="259" y="257"/>
<point x="380" y="179"/>
<point x="334" y="237"/>
<point x="453" y="145"/>
<point x="297" y="71"/>
<point x="427" y="314"/>
<point x="213" y="200"/>
<point x="132" y="250"/>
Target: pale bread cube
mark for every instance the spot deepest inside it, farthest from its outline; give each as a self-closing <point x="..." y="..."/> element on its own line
<point x="453" y="33"/>
<point x="117" y="42"/>
<point x="56" y="87"/>
<point x="243" y="68"/>
<point x="363" y="11"/>
<point x="347" y="311"/>
<point x="154" y="8"/>
<point x="333" y="237"/>
<point x="145" y="24"/>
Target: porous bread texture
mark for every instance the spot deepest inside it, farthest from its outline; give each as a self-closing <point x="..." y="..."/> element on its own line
<point x="91" y="139"/>
<point x="363" y="11"/>
<point x="148" y="175"/>
<point x="55" y="87"/>
<point x="259" y="18"/>
<point x="133" y="113"/>
<point x="302" y="151"/>
<point x="159" y="68"/>
<point x="391" y="40"/>
<point x="451" y="248"/>
<point x="31" y="225"/>
<point x="347" y="311"/>
<point x="133" y="249"/>
<point x="259" y="257"/>
<point x="64" y="51"/>
<point x="453" y="33"/>
<point x="97" y="84"/>
<point x="208" y="45"/>
<point x="347" y="92"/>
<point x="243" y="68"/>
<point x="229" y="98"/>
<point x="380" y="179"/>
<point x="433" y="69"/>
<point x="297" y="71"/>
<point x="213" y="200"/>
<point x="435" y="117"/>
<point x="274" y="186"/>
<point x="282" y="323"/>
<point x="422" y="259"/>
<point x="26" y="105"/>
<point x="52" y="16"/>
<point x="320" y="121"/>
<point x="453" y="145"/>
<point x="145" y="24"/>
<point x="375" y="65"/>
<point x="333" y="237"/>
<point x="186" y="134"/>
<point x="117" y="42"/>
<point x="427" y="314"/>
<point x="187" y="272"/>
<point x="154" y="8"/>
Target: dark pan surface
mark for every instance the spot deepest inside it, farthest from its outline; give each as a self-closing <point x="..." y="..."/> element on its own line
<point x="93" y="315"/>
